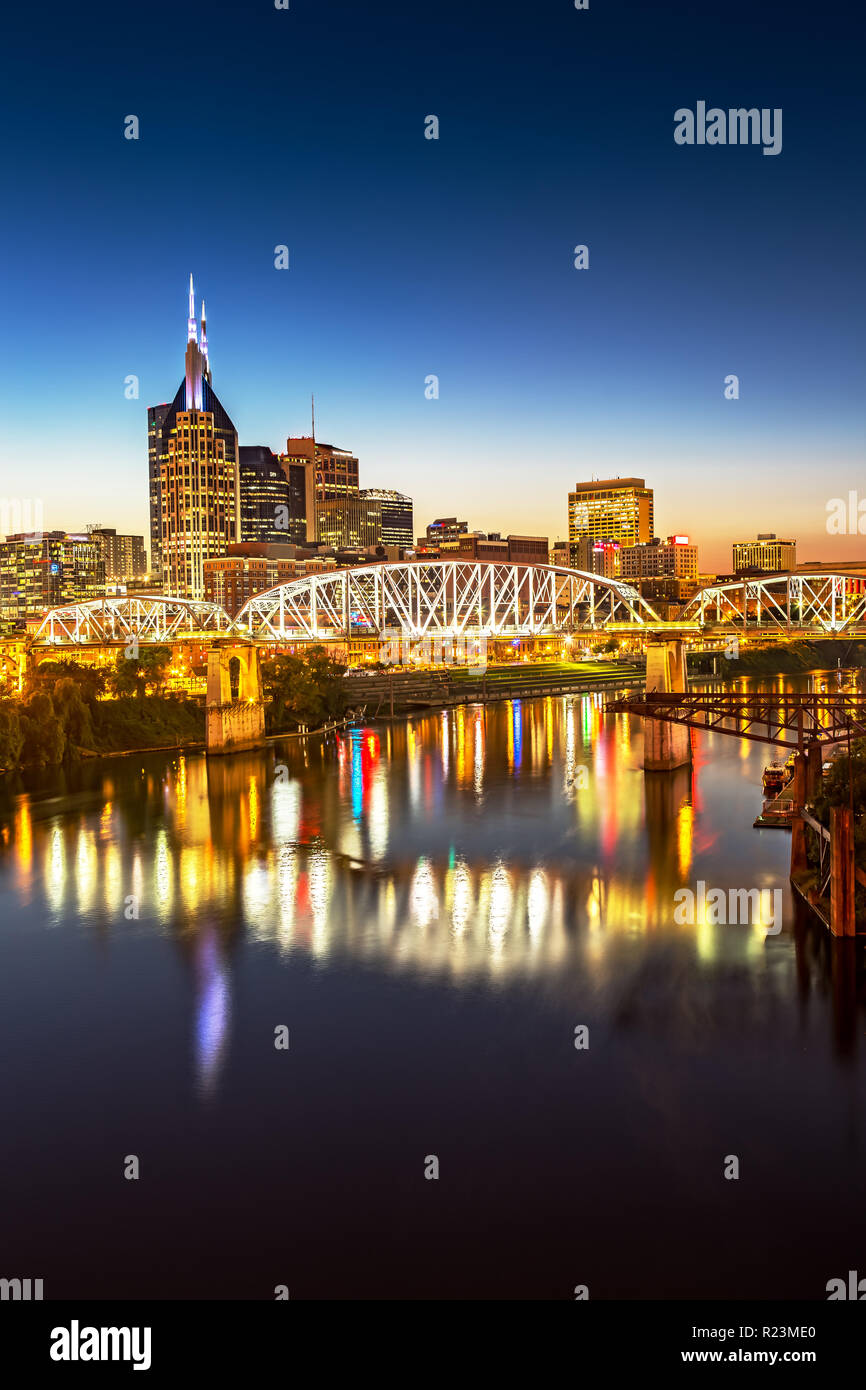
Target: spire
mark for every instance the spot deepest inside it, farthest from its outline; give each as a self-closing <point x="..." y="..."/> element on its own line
<point x="191" y="329"/>
<point x="204" y="342"/>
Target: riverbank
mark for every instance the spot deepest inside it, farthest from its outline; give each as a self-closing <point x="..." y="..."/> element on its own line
<point x="794" y="658"/>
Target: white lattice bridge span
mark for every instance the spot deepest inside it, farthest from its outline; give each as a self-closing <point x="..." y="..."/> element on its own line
<point x="105" y="621"/>
<point x="783" y="603"/>
<point x="469" y="599"/>
<point x="449" y="598"/>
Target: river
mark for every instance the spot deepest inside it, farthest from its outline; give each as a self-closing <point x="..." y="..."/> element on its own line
<point x="425" y="912"/>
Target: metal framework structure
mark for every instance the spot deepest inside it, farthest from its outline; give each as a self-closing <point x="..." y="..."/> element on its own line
<point x="784" y="602"/>
<point x="790" y="721"/>
<point x="451" y="598"/>
<point x="133" y="616"/>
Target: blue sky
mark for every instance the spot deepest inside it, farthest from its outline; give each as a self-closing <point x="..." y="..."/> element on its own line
<point x="410" y="257"/>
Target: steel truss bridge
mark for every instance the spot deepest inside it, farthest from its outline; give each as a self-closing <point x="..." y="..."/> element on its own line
<point x="822" y="603"/>
<point x="790" y="721"/>
<point x="99" y="622"/>
<point x="447" y="598"/>
<point x="450" y="600"/>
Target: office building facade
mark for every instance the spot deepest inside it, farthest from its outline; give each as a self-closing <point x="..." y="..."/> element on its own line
<point x="615" y="509"/>
<point x="767" y="554"/>
<point x="674" y="558"/>
<point x="45" y="570"/>
<point x="198" y="498"/>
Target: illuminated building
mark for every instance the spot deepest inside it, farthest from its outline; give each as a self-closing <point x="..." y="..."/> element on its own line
<point x="396" y="515"/>
<point x="44" y="570"/>
<point x="674" y="558"/>
<point x="250" y="568"/>
<point x="596" y="557"/>
<point x="445" y="531"/>
<point x="273" y="497"/>
<point x="198" y="497"/>
<point x="767" y="554"/>
<point x="349" y="523"/>
<point x="124" y="557"/>
<point x="613" y="509"/>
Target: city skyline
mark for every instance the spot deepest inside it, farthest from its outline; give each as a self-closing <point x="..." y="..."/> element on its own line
<point x="452" y="257"/>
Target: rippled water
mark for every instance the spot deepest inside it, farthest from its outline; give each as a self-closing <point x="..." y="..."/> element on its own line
<point x="431" y="908"/>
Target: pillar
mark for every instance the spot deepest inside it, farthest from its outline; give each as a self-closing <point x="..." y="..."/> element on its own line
<point x="814" y="770"/>
<point x="842" y="920"/>
<point x="665" y="745"/>
<point x="233" y="725"/>
<point x="798" y="793"/>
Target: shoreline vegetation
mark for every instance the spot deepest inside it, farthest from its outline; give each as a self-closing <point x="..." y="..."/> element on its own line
<point x="795" y="658"/>
<point x="70" y="711"/>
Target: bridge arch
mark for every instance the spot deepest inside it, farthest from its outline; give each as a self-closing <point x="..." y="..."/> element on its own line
<point x="826" y="602"/>
<point x="449" y="598"/>
<point x="145" y="618"/>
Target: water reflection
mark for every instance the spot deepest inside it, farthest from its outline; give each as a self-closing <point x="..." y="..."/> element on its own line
<point x="499" y="843"/>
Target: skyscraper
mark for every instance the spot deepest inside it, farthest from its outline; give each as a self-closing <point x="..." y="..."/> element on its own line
<point x="613" y="509"/>
<point x="396" y="511"/>
<point x="195" y="502"/>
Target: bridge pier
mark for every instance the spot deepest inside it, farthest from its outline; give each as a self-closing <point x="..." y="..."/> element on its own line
<point x="665" y="745"/>
<point x="234" y="724"/>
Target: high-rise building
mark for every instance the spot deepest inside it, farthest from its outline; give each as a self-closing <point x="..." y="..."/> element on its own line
<point x="331" y="474"/>
<point x="767" y="553"/>
<point x="156" y="415"/>
<point x="196" y="446"/>
<point x="675" y="558"/>
<point x="45" y="570"/>
<point x="396" y="515"/>
<point x="612" y="509"/>
<point x="273" y="497"/>
<point x="349" y="523"/>
<point x="124" y="557"/>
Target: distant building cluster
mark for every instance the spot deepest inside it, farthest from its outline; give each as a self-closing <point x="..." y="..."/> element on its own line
<point x="229" y="521"/>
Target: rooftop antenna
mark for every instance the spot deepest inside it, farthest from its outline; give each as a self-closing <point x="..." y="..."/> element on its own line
<point x="313" y="409"/>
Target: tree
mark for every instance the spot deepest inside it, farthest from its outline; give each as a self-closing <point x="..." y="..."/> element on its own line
<point x="44" y="738"/>
<point x="11" y="736"/>
<point x="73" y="713"/>
<point x="135" y="675"/>
<point x="303" y="690"/>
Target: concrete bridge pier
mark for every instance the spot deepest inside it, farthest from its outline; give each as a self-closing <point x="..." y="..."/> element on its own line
<point x="234" y="722"/>
<point x="665" y="745"/>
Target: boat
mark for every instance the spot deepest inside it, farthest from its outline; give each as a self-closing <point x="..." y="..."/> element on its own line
<point x="775" y="777"/>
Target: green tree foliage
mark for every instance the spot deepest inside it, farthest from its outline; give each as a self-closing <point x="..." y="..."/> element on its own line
<point x="44" y="738"/>
<point x="73" y="711"/>
<point x="303" y="690"/>
<point x="136" y="676"/>
<point x="11" y="736"/>
<point x="89" y="680"/>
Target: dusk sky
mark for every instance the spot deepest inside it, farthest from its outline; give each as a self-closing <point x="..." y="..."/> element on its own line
<point x="412" y="257"/>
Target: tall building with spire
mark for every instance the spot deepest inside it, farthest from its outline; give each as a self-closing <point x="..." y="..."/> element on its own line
<point x="194" y="474"/>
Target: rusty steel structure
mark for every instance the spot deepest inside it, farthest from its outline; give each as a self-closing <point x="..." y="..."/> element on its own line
<point x="788" y="721"/>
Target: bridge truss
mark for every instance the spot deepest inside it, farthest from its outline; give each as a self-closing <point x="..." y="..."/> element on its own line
<point x="790" y="721"/>
<point x="783" y="602"/>
<point x="131" y="617"/>
<point x="451" y="598"/>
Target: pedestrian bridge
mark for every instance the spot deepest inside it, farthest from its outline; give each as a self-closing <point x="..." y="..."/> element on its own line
<point x="454" y="599"/>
